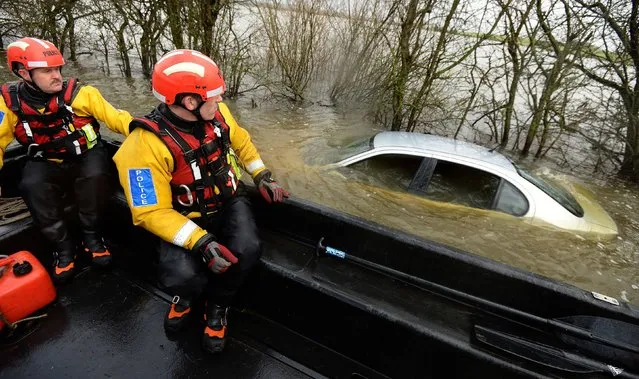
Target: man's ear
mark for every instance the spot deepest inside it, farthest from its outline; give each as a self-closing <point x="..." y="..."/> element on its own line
<point x="24" y="73"/>
<point x="189" y="102"/>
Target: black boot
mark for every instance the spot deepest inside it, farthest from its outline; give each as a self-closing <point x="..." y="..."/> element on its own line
<point x="214" y="337"/>
<point x="94" y="245"/>
<point x="63" y="262"/>
<point x="176" y="316"/>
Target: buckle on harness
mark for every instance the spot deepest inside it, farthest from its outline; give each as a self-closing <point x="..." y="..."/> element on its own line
<point x="37" y="154"/>
<point x="189" y="196"/>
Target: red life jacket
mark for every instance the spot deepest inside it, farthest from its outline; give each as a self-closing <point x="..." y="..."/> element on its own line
<point x="49" y="134"/>
<point x="203" y="177"/>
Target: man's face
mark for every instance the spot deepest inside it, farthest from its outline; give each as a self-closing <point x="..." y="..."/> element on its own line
<point x="48" y="79"/>
<point x="210" y="107"/>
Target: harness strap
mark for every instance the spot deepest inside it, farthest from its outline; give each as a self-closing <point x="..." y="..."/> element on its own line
<point x="201" y="174"/>
<point x="10" y="95"/>
<point x="63" y="111"/>
<point x="70" y="142"/>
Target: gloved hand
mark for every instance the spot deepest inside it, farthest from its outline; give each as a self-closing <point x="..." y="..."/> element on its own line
<point x="216" y="256"/>
<point x="270" y="190"/>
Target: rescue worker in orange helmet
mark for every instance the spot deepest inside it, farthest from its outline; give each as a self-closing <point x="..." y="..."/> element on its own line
<point x="57" y="121"/>
<point x="180" y="172"/>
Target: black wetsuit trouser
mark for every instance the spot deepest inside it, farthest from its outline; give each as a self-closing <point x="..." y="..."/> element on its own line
<point x="48" y="186"/>
<point x="183" y="273"/>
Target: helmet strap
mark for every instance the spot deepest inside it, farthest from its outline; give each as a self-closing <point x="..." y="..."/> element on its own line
<point x="31" y="83"/>
<point x="197" y="113"/>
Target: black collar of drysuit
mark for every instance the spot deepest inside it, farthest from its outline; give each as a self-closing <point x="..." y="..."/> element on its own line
<point x="34" y="96"/>
<point x="177" y="121"/>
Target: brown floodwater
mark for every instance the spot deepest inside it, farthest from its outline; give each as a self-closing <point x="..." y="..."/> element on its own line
<point x="294" y="142"/>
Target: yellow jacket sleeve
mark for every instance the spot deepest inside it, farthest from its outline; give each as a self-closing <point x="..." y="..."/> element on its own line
<point x="242" y="144"/>
<point x="144" y="166"/>
<point x="89" y="102"/>
<point x="8" y="121"/>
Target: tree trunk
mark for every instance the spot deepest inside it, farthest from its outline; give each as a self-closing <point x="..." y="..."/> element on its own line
<point x="512" y="92"/>
<point x="544" y="132"/>
<point x="70" y="28"/>
<point x="123" y="50"/>
<point x="174" y="10"/>
<point x="432" y="70"/>
<point x="145" y="53"/>
<point x="210" y="10"/>
<point x="405" y="65"/>
<point x="630" y="164"/>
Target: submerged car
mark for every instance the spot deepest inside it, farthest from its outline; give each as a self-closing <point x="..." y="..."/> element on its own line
<point x="447" y="170"/>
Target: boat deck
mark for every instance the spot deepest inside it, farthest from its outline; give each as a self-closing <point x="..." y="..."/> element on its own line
<point x="106" y="325"/>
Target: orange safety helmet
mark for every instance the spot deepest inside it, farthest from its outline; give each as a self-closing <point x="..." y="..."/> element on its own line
<point x="33" y="53"/>
<point x="186" y="72"/>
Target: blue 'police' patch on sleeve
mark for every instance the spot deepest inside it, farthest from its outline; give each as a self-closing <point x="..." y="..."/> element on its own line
<point x="141" y="186"/>
<point x="1" y="116"/>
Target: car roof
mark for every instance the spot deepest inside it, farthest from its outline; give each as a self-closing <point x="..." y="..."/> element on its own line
<point x="450" y="146"/>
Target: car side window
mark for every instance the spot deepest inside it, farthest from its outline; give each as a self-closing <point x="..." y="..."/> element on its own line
<point x="511" y="200"/>
<point x="389" y="171"/>
<point x="456" y="183"/>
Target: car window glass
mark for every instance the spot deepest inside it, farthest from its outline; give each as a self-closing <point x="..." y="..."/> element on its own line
<point x="461" y="184"/>
<point x="388" y="171"/>
<point x="354" y="148"/>
<point x="557" y="192"/>
<point x="511" y="200"/>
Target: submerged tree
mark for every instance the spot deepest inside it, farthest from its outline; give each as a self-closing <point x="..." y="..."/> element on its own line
<point x="613" y="61"/>
<point x="547" y="105"/>
<point x="295" y="34"/>
<point x="232" y="51"/>
<point x="516" y="19"/>
<point x="430" y="48"/>
<point x="53" y="20"/>
<point x="360" y="60"/>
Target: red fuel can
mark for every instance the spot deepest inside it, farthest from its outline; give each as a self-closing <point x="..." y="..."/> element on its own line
<point x="25" y="287"/>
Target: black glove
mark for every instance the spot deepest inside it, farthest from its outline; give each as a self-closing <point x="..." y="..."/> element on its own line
<point x="216" y="256"/>
<point x="270" y="190"/>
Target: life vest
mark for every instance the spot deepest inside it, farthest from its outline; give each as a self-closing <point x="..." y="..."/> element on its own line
<point x="57" y="132"/>
<point x="205" y="172"/>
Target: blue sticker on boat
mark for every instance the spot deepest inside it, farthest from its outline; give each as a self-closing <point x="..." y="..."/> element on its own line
<point x="335" y="252"/>
<point x="142" y="189"/>
<point x="1" y="116"/>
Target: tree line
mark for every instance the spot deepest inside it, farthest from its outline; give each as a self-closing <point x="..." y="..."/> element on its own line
<point x="527" y="75"/>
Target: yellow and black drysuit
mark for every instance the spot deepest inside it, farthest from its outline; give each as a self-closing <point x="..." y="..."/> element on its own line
<point x="67" y="159"/>
<point x="181" y="182"/>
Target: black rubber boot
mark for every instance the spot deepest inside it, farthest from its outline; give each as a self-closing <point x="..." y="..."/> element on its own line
<point x="63" y="262"/>
<point x="176" y="316"/>
<point x="214" y="338"/>
<point x="94" y="245"/>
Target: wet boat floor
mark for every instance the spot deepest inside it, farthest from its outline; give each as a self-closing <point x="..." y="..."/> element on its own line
<point x="105" y="324"/>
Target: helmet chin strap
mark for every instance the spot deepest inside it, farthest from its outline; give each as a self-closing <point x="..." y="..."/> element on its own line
<point x="197" y="113"/>
<point x="33" y="85"/>
<point x="30" y="81"/>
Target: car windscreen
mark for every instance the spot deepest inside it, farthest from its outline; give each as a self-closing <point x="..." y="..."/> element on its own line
<point x="560" y="194"/>
<point x="354" y="148"/>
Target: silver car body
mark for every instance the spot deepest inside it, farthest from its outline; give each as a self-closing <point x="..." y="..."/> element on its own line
<point x="542" y="207"/>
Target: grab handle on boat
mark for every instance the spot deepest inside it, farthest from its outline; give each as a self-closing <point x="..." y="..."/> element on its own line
<point x="329" y="250"/>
